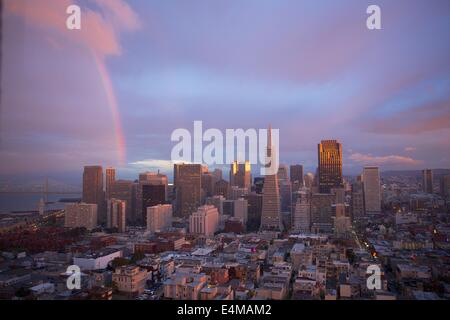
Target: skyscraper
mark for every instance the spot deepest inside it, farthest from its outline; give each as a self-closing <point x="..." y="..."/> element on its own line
<point x="159" y="217"/>
<point x="427" y="181"/>
<point x="93" y="190"/>
<point x="271" y="215"/>
<point x="240" y="175"/>
<point x="330" y="165"/>
<point x="357" y="205"/>
<point x="372" y="192"/>
<point x="116" y="214"/>
<point x="445" y="186"/>
<point x="188" y="184"/>
<point x="110" y="178"/>
<point x="296" y="176"/>
<point x="152" y="195"/>
<point x="301" y="218"/>
<point x="221" y="188"/>
<point x="157" y="193"/>
<point x="254" y="210"/>
<point x="123" y="190"/>
<point x="321" y="212"/>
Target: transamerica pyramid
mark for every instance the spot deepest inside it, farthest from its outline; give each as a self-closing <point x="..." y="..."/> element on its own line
<point x="271" y="216"/>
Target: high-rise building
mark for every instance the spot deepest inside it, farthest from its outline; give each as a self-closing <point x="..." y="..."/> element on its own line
<point x="285" y="188"/>
<point x="152" y="195"/>
<point x="237" y="192"/>
<point x="254" y="211"/>
<point x="240" y="175"/>
<point x="123" y="190"/>
<point x="204" y="221"/>
<point x="330" y="165"/>
<point x="427" y="181"/>
<point x="309" y="180"/>
<point x="357" y="204"/>
<point x="296" y="174"/>
<point x="271" y="213"/>
<point x="241" y="210"/>
<point x="155" y="187"/>
<point x="321" y="212"/>
<point x="342" y="221"/>
<point x="372" y="190"/>
<point x="159" y="218"/>
<point x="93" y="190"/>
<point x="116" y="214"/>
<point x="221" y="188"/>
<point x="282" y="173"/>
<point x="188" y="184"/>
<point x="216" y="201"/>
<point x="80" y="215"/>
<point x="110" y="178"/>
<point x="301" y="218"/>
<point x="207" y="184"/>
<point x="445" y="186"/>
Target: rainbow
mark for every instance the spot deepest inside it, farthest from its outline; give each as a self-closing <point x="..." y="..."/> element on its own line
<point x="113" y="107"/>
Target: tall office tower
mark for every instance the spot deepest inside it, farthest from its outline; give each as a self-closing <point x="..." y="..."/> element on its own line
<point x="116" y="214"/>
<point x="296" y="177"/>
<point x="301" y="218"/>
<point x="241" y="210"/>
<point x="427" y="181"/>
<point x="228" y="208"/>
<point x="80" y="215"/>
<point x="296" y="174"/>
<point x="110" y="178"/>
<point x="271" y="214"/>
<point x="357" y="204"/>
<point x="342" y="221"/>
<point x="259" y="184"/>
<point x="123" y="190"/>
<point x="330" y="165"/>
<point x="207" y="184"/>
<point x="221" y="188"/>
<point x="237" y="192"/>
<point x="93" y="190"/>
<point x="204" y="221"/>
<point x="152" y="195"/>
<point x="240" y="175"/>
<point x="285" y="196"/>
<point x="282" y="173"/>
<point x="321" y="212"/>
<point x="445" y="186"/>
<point x="159" y="217"/>
<point x="154" y="179"/>
<point x="372" y="190"/>
<point x="254" y="201"/>
<point x="188" y="184"/>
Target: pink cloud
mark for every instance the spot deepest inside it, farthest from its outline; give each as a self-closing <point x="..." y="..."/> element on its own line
<point x="383" y="160"/>
<point x="99" y="30"/>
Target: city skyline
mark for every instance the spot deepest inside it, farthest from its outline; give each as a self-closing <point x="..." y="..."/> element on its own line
<point x="129" y="86"/>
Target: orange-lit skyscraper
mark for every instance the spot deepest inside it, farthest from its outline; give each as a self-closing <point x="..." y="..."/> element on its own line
<point x="240" y="175"/>
<point x="330" y="165"/>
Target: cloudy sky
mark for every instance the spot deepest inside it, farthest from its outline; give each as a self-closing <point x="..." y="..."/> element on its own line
<point x="113" y="92"/>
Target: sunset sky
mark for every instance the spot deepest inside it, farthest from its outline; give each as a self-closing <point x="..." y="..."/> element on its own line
<point x="113" y="92"/>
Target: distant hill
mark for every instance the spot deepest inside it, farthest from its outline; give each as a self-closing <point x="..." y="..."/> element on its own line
<point x="413" y="173"/>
